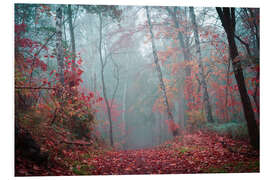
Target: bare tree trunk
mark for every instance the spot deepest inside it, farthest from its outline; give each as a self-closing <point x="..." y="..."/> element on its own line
<point x="124" y="112"/>
<point x="226" y="91"/>
<point x="124" y="104"/>
<point x="103" y="81"/>
<point x="59" y="47"/>
<point x="181" y="110"/>
<point x="227" y="18"/>
<point x="158" y="69"/>
<point x="71" y="30"/>
<point x="160" y="128"/>
<point x="203" y="82"/>
<point x="255" y="97"/>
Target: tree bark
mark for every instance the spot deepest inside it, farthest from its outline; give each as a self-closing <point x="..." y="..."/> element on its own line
<point x="227" y="18"/>
<point x="186" y="54"/>
<point x="124" y="105"/>
<point x="158" y="69"/>
<point x="203" y="82"/>
<point x="227" y="90"/>
<point x="71" y="30"/>
<point x="59" y="47"/>
<point x="103" y="81"/>
<point x="180" y="39"/>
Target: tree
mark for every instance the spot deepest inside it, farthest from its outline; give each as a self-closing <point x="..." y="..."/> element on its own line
<point x="186" y="52"/>
<point x="59" y="47"/>
<point x="71" y="30"/>
<point x="105" y="11"/>
<point x="102" y="78"/>
<point x="202" y="74"/>
<point x="227" y="17"/>
<point x="180" y="37"/>
<point x="158" y="69"/>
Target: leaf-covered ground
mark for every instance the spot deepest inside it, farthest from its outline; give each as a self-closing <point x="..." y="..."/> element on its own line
<point x="190" y="153"/>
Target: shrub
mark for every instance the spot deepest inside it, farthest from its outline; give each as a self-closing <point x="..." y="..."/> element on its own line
<point x="231" y="129"/>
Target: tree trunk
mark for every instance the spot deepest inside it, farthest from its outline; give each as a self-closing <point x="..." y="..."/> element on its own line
<point x="255" y="97"/>
<point x="124" y="113"/>
<point x="227" y="91"/>
<point x="124" y="101"/>
<point x="180" y="39"/>
<point x="103" y="81"/>
<point x="71" y="30"/>
<point x="186" y="54"/>
<point x="203" y="82"/>
<point x="158" y="69"/>
<point x="59" y="48"/>
<point x="227" y="18"/>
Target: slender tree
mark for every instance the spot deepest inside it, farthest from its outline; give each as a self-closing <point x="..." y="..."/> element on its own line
<point x="180" y="37"/>
<point x="71" y="30"/>
<point x="183" y="45"/>
<point x="59" y="47"/>
<point x="103" y="63"/>
<point x="158" y="69"/>
<point x="202" y="76"/>
<point x="227" y="17"/>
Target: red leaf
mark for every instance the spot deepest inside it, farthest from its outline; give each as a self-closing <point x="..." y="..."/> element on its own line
<point x="79" y="62"/>
<point x="80" y="72"/>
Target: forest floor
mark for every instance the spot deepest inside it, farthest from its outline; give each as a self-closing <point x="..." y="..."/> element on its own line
<point x="199" y="152"/>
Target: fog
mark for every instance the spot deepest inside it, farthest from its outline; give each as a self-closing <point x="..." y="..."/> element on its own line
<point x="118" y="59"/>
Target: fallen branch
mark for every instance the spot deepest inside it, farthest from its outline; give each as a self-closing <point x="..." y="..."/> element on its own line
<point x="26" y="87"/>
<point x="77" y="142"/>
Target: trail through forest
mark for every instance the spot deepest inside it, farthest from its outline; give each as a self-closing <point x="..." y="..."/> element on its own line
<point x="94" y="84"/>
<point x="189" y="153"/>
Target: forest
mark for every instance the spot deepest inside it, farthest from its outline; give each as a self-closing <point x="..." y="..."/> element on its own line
<point x="120" y="90"/>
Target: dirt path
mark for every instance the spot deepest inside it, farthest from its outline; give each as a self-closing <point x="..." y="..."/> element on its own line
<point x="190" y="153"/>
<point x="198" y="154"/>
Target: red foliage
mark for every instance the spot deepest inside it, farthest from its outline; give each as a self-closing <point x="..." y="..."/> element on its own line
<point x="196" y="153"/>
<point x="50" y="108"/>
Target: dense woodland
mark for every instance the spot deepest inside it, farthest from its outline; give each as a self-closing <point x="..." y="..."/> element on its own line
<point x="136" y="90"/>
